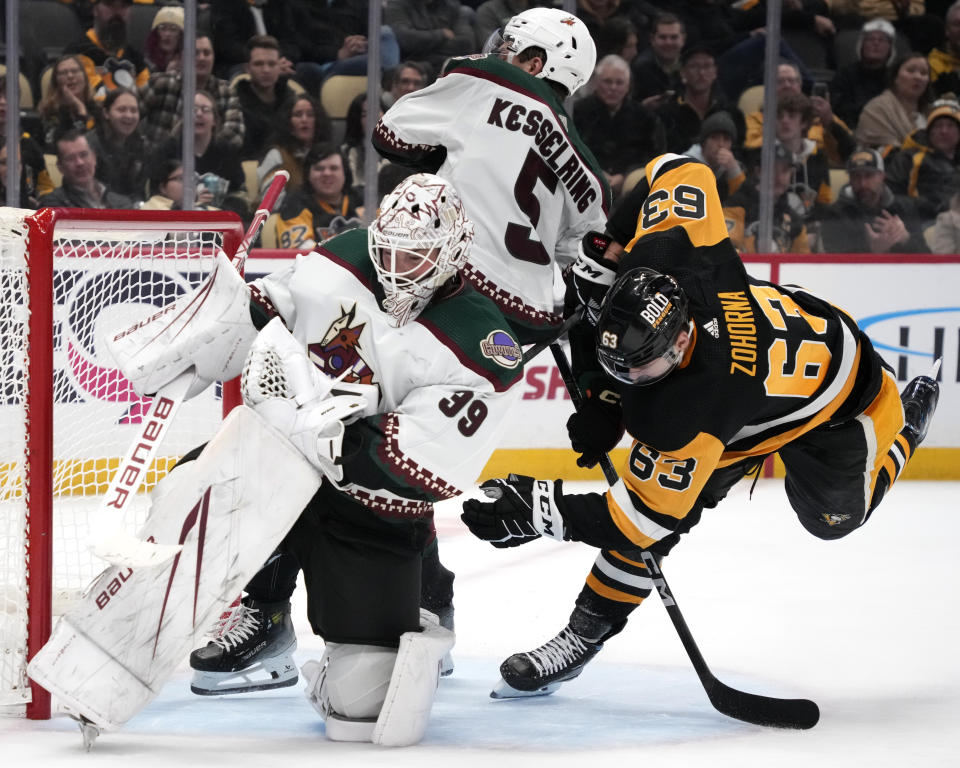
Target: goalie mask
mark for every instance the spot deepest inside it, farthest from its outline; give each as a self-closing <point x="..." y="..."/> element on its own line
<point x="638" y="332"/>
<point x="571" y="53"/>
<point x="418" y="241"/>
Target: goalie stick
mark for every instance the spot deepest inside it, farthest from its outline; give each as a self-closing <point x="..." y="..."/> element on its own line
<point x="108" y="540"/>
<point x="741" y="705"/>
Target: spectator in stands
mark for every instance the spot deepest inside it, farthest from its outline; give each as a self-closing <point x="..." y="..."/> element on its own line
<point x="110" y="62"/>
<point x="928" y="167"/>
<point x="431" y="30"/>
<point x="217" y="164"/>
<point x="166" y="188"/>
<point x="323" y="205"/>
<point x="609" y="22"/>
<point x="887" y="119"/>
<point x="410" y="76"/>
<point x="946" y="230"/>
<point x="302" y="124"/>
<point x="811" y="174"/>
<point x="34" y="176"/>
<point x="292" y="24"/>
<point x="742" y="210"/>
<point x="340" y="35"/>
<point x="718" y="137"/>
<point x="656" y="71"/>
<point x="69" y="103"/>
<point x="121" y="148"/>
<point x="698" y="97"/>
<point x="164" y="42"/>
<point x="621" y="133"/>
<point x="861" y="80"/>
<point x="831" y="134"/>
<point x="27" y="197"/>
<point x="262" y="96"/>
<point x="77" y="163"/>
<point x="868" y="217"/>
<point x="494" y="14"/>
<point x="354" y="144"/>
<point x="622" y="38"/>
<point x="163" y="99"/>
<point x="945" y="60"/>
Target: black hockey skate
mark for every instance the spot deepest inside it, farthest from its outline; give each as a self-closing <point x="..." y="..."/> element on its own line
<point x="445" y="615"/>
<point x="919" y="399"/>
<point x="542" y="670"/>
<point x="251" y="650"/>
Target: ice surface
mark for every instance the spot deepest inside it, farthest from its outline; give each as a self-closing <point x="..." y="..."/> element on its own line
<point x="866" y="626"/>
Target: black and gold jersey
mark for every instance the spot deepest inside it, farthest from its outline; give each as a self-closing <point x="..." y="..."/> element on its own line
<point x="767" y="363"/>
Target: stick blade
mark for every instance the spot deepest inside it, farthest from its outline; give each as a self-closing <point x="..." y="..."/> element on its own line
<point x="799" y="714"/>
<point x="126" y="551"/>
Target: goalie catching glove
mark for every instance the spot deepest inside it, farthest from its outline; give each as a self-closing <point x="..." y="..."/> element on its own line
<point x="590" y="276"/>
<point x="523" y="509"/>
<point x="208" y="330"/>
<point x="281" y="384"/>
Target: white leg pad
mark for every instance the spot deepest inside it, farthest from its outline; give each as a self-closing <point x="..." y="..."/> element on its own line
<point x="111" y="653"/>
<point x="413" y="686"/>
<point x="370" y="693"/>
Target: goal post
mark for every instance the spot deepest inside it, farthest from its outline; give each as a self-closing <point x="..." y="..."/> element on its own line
<point x="68" y="277"/>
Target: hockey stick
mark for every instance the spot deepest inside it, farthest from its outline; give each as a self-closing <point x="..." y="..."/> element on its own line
<point x="532" y="351"/>
<point x="108" y="540"/>
<point x="749" y="707"/>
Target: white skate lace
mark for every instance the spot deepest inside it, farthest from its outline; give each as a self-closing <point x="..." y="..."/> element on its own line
<point x="556" y="654"/>
<point x="236" y="626"/>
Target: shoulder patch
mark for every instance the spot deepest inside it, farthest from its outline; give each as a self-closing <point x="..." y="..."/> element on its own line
<point x="500" y="347"/>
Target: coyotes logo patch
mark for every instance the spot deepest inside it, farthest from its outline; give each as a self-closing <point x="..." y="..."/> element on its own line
<point x="338" y="353"/>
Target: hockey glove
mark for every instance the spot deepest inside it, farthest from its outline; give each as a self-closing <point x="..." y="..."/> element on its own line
<point x="590" y="276"/>
<point x="523" y="509"/>
<point x="597" y="426"/>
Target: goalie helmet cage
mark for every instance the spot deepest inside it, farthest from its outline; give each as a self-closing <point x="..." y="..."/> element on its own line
<point x="67" y="278"/>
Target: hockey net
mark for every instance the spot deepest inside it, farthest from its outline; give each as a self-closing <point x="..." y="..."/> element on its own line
<point x="67" y="279"/>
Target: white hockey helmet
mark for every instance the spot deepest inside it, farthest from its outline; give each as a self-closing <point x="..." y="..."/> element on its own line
<point x="571" y="53"/>
<point x="418" y="241"/>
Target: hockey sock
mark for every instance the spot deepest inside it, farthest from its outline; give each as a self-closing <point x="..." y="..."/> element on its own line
<point x="276" y="581"/>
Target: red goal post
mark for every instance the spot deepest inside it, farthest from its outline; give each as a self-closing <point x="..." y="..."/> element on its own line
<point x="68" y="277"/>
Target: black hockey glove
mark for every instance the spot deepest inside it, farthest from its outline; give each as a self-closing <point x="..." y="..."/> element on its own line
<point x="523" y="509"/>
<point x="590" y="276"/>
<point x="597" y="426"/>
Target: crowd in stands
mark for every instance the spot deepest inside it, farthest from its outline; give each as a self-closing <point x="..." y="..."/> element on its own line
<point x="868" y="121"/>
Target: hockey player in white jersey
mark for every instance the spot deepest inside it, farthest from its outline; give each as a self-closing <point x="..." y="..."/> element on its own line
<point x="382" y="318"/>
<point x="495" y="126"/>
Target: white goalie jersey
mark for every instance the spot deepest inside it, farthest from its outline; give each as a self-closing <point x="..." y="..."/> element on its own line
<point x="528" y="183"/>
<point x="444" y="381"/>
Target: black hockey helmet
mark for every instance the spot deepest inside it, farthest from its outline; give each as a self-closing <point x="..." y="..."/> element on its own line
<point x="641" y="318"/>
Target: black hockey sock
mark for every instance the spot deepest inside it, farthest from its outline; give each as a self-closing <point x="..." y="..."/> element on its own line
<point x="436" y="581"/>
<point x="276" y="581"/>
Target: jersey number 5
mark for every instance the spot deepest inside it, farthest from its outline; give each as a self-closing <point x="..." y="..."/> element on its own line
<point x="517" y="237"/>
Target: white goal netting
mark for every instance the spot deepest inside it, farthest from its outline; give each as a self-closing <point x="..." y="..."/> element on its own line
<point x="105" y="276"/>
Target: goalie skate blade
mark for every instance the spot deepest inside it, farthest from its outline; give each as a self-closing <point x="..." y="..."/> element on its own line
<point x="277" y="672"/>
<point x="88" y="730"/>
<point x="503" y="690"/>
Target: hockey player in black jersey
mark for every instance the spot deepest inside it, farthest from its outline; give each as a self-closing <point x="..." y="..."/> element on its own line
<point x="715" y="371"/>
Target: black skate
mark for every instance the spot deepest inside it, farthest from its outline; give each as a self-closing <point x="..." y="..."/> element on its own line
<point x="542" y="670"/>
<point x="251" y="650"/>
<point x="919" y="399"/>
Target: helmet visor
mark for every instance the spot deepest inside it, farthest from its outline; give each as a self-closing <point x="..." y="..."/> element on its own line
<point x="499" y="44"/>
<point x="638" y="373"/>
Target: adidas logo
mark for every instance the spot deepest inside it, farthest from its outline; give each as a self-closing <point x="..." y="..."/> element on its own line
<point x="713" y="328"/>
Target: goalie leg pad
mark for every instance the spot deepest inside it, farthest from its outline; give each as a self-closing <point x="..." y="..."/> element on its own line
<point x="347" y="687"/>
<point x="413" y="686"/>
<point x="208" y="329"/>
<point x="112" y="652"/>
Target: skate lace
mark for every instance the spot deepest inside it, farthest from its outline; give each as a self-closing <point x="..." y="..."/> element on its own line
<point x="559" y="652"/>
<point x="236" y="627"/>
